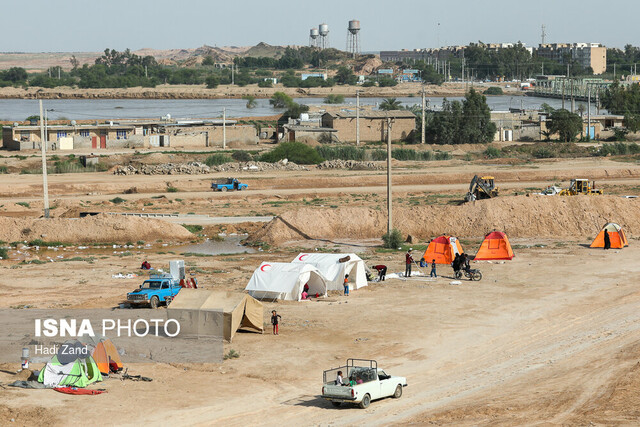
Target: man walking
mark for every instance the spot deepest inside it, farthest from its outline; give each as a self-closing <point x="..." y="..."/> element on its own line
<point x="409" y="261"/>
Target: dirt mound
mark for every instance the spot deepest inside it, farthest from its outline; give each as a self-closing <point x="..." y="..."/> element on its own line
<point x="100" y="228"/>
<point x="518" y="216"/>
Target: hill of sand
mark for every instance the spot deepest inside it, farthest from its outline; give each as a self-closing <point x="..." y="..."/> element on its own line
<point x="100" y="228"/>
<point x="518" y="216"/>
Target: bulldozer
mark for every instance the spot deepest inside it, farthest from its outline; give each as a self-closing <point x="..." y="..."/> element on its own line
<point x="481" y="188"/>
<point x="580" y="186"/>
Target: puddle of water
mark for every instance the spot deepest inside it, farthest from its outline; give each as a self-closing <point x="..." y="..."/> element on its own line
<point x="230" y="245"/>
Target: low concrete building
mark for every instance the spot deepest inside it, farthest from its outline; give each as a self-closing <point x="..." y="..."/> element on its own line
<point x="294" y="132"/>
<point x="373" y="125"/>
<point x="69" y="137"/>
<point x="130" y="134"/>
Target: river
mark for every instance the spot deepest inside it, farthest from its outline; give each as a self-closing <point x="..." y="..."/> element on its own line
<point x="113" y="109"/>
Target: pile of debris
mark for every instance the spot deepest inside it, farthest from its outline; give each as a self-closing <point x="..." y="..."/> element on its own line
<point x="197" y="168"/>
<point x="191" y="168"/>
<point x="349" y="164"/>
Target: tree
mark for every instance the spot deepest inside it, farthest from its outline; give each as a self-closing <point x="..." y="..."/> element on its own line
<point x="467" y="122"/>
<point x="208" y="60"/>
<point x="334" y="99"/>
<point x="345" y="76"/>
<point x="478" y="127"/>
<point x="295" y="110"/>
<point x="390" y="104"/>
<point x="251" y="101"/>
<point x="212" y="82"/>
<point x="280" y="100"/>
<point x="566" y="124"/>
<point x="387" y="82"/>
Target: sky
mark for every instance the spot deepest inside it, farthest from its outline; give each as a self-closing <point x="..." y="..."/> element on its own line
<point x="93" y="25"/>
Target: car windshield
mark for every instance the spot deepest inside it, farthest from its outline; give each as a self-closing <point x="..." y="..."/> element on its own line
<point x="151" y="284"/>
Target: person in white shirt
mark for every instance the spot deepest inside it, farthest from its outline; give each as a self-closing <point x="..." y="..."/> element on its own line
<point x="339" y="379"/>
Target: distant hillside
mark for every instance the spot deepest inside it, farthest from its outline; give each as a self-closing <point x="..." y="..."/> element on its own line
<point x="182" y="57"/>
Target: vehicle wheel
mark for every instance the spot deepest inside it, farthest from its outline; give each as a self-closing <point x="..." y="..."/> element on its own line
<point x="154" y="302"/>
<point x="224" y="189"/>
<point x="366" y="400"/>
<point x="239" y="188"/>
<point x="336" y="404"/>
<point x="477" y="276"/>
<point x="398" y="392"/>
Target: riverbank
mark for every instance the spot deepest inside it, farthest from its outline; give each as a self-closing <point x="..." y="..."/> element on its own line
<point x="230" y="91"/>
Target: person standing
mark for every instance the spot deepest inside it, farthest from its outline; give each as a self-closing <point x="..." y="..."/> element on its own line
<point x="408" y="261"/>
<point x="346" y="285"/>
<point x="433" y="269"/>
<point x="274" y="321"/>
<point x="382" y="272"/>
<point x="607" y="240"/>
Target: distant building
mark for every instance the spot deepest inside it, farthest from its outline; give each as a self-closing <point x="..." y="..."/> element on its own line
<point x="305" y="76"/>
<point x="128" y="134"/>
<point x="592" y="55"/>
<point x="373" y="125"/>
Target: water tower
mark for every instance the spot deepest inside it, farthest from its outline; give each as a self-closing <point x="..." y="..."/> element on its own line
<point x="353" y="38"/>
<point x="324" y="35"/>
<point x="313" y="37"/>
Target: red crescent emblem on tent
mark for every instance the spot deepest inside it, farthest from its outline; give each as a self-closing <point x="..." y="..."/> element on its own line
<point x="302" y="256"/>
<point x="267" y="266"/>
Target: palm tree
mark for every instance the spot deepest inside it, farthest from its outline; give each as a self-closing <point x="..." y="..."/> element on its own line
<point x="390" y="104"/>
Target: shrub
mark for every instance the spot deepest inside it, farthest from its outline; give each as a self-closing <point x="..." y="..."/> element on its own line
<point x="543" y="153"/>
<point x="280" y="100"/>
<point x="172" y="189"/>
<point x="232" y="354"/>
<point x="3" y="169"/>
<point x="241" y="156"/>
<point x="346" y="152"/>
<point x="334" y="99"/>
<point x="392" y="240"/>
<point x="265" y="83"/>
<point x="296" y="152"/>
<point x="492" y="152"/>
<point x="193" y="228"/>
<point x="217" y="159"/>
<point x="618" y="149"/>
<point x="3" y="253"/>
<point x="368" y="83"/>
<point x="117" y="200"/>
<point x="494" y="90"/>
<point x="24" y="204"/>
<point x="379" y="155"/>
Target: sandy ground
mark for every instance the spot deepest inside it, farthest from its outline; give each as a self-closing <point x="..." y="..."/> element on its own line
<point x="550" y="337"/>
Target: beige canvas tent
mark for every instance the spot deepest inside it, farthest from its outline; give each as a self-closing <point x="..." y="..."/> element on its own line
<point x="206" y="313"/>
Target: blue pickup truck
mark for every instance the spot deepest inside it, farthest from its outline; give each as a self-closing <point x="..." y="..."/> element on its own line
<point x="228" y="184"/>
<point x="158" y="289"/>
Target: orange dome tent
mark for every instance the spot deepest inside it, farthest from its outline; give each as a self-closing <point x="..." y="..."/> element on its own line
<point x="103" y="352"/>
<point x="616" y="236"/>
<point x="495" y="246"/>
<point x="443" y="249"/>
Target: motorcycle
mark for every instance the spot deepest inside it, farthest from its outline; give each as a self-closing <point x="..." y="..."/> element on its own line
<point x="472" y="274"/>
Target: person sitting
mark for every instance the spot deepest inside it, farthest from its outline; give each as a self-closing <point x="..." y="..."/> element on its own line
<point x="305" y="295"/>
<point x="145" y="265"/>
<point x="339" y="379"/>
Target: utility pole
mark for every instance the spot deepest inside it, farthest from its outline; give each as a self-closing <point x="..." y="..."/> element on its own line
<point x="232" y="77"/>
<point x="422" y="138"/>
<point x="146" y="72"/>
<point x="589" y="113"/>
<point x="224" y="128"/>
<point x="573" y="101"/>
<point x="563" y="84"/>
<point x="43" y="143"/>
<point x="614" y="71"/>
<point x="357" y="117"/>
<point x="389" y="215"/>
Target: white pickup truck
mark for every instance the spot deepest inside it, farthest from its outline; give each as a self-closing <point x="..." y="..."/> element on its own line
<point x="363" y="382"/>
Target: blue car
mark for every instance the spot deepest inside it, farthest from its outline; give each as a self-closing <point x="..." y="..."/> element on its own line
<point x="228" y="184"/>
<point x="157" y="290"/>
